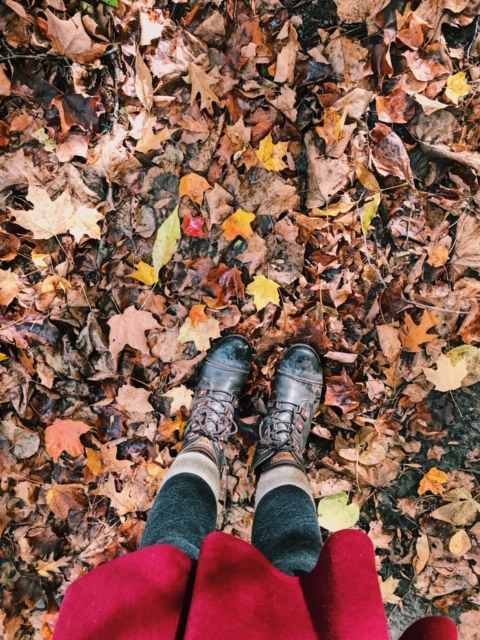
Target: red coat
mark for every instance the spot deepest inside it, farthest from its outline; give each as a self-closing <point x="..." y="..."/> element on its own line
<point x="234" y="593"/>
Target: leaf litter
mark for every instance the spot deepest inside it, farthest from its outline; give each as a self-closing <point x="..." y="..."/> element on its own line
<point x="168" y="177"/>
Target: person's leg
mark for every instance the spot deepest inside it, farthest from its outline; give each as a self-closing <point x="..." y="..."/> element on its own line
<point x="185" y="510"/>
<point x="285" y="527"/>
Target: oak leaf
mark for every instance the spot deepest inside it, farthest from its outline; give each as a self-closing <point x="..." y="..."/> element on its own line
<point x="446" y="377"/>
<point x="194" y="186"/>
<point x="433" y="481"/>
<point x="263" y="291"/>
<point x="166" y="242"/>
<point x="416" y="334"/>
<point x="128" y="328"/>
<point x="238" y="224"/>
<point x="271" y="155"/>
<point x="64" y="435"/>
<point x="202" y="84"/>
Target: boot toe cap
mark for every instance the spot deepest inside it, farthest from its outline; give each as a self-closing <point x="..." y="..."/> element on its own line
<point x="302" y="361"/>
<point x="234" y="352"/>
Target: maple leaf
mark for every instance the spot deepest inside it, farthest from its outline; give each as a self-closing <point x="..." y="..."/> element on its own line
<point x="446" y="377"/>
<point x="194" y="186"/>
<point x="200" y="332"/>
<point x="181" y="397"/>
<point x="69" y="39"/>
<point x="271" y="155"/>
<point x="9" y="286"/>
<point x="263" y="291"/>
<point x="239" y="224"/>
<point x="145" y="273"/>
<point x="416" y="334"/>
<point x="64" y="435"/>
<point x="166" y="241"/>
<point x="433" y="481"/>
<point x="133" y="400"/>
<point x="63" y="497"/>
<point x="457" y="87"/>
<point x="83" y="222"/>
<point x="202" y="84"/>
<point x="388" y="588"/>
<point x="128" y="328"/>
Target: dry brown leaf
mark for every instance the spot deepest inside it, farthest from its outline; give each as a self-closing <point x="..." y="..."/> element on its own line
<point x="181" y="397"/>
<point x="143" y="82"/>
<point x="389" y="154"/>
<point x="10" y="285"/>
<point x="422" y="554"/>
<point x="460" y="543"/>
<point x="128" y="328"/>
<point x="63" y="497"/>
<point x="202" y="84"/>
<point x="69" y="39"/>
<point x="466" y="254"/>
<point x="133" y="400"/>
<point x="64" y="435"/>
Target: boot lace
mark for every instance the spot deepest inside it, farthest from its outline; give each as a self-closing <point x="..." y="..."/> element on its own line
<point x="213" y="415"/>
<point x="282" y="425"/>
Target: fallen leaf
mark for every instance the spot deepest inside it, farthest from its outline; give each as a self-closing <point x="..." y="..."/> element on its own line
<point x="145" y="273"/>
<point x="64" y="435"/>
<point x="133" y="400"/>
<point x="389" y="154"/>
<point x="128" y="328"/>
<point x="194" y="186"/>
<point x="202" y="84"/>
<point x="166" y="241"/>
<point x="422" y="553"/>
<point x="10" y="285"/>
<point x="388" y="588"/>
<point x="181" y="397"/>
<point x="459" y="512"/>
<point x="238" y="224"/>
<point x="69" y="39"/>
<point x="193" y="225"/>
<point x="334" y="512"/>
<point x="433" y="481"/>
<point x="460" y="543"/>
<point x="398" y="107"/>
<point x="63" y="497"/>
<point x="446" y="377"/>
<point x="365" y="176"/>
<point x="416" y="334"/>
<point x="341" y="392"/>
<point x="465" y="252"/>
<point x="25" y="443"/>
<point x="271" y="155"/>
<point x="369" y="210"/>
<point x="199" y="333"/>
<point x="143" y="82"/>
<point x="457" y="87"/>
<point x="467" y="353"/>
<point x="263" y="291"/>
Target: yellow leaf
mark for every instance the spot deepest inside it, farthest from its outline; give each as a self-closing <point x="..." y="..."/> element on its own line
<point x="457" y="87"/>
<point x="335" y="514"/>
<point x="84" y="222"/>
<point x="388" y="589"/>
<point x="270" y="155"/>
<point x="3" y="356"/>
<point x="460" y="543"/>
<point x="437" y="255"/>
<point x="238" y="224"/>
<point x="365" y="176"/>
<point x="41" y="260"/>
<point x="446" y="377"/>
<point x="369" y="210"/>
<point x="145" y="273"/>
<point x="201" y="84"/>
<point x="467" y="353"/>
<point x="201" y="333"/>
<point x="334" y="209"/>
<point x="166" y="242"/>
<point x="432" y="481"/>
<point x="332" y="128"/>
<point x="194" y="186"/>
<point x="94" y="461"/>
<point x="263" y="291"/>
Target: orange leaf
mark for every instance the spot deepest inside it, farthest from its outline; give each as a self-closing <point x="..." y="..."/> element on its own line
<point x="64" y="435"/>
<point x="416" y="334"/>
<point x="432" y="481"/>
<point x="194" y="186"/>
<point x="197" y="314"/>
<point x="238" y="224"/>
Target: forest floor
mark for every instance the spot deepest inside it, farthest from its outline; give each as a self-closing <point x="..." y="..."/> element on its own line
<point x="175" y="172"/>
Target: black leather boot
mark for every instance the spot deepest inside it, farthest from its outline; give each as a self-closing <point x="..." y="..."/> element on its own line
<point x="223" y="374"/>
<point x="295" y="398"/>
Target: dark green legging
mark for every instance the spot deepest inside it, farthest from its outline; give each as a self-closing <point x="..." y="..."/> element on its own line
<point x="285" y="528"/>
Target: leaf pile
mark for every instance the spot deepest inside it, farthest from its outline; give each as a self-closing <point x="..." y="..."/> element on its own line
<point x="174" y="173"/>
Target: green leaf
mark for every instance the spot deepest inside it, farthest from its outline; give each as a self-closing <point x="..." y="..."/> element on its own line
<point x="166" y="242"/>
<point x="112" y="3"/>
<point x="369" y="211"/>
<point x="466" y="352"/>
<point x="334" y="513"/>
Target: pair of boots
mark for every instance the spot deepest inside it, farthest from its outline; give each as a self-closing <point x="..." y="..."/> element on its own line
<point x="283" y="432"/>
